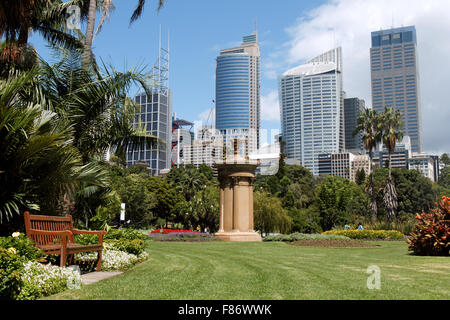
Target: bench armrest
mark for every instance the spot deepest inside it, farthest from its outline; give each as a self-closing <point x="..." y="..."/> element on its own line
<point x="77" y="231"/>
<point x="99" y="233"/>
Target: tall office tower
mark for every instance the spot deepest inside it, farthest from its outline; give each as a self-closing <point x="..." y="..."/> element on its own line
<point x="311" y="108"/>
<point x="352" y="108"/>
<point x="155" y="115"/>
<point x="238" y="93"/>
<point x="395" y="78"/>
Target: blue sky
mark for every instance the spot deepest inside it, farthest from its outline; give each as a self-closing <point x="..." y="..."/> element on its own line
<point x="290" y="32"/>
<point x="198" y="30"/>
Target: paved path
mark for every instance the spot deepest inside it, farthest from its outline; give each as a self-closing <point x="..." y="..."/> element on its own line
<point x="92" y="277"/>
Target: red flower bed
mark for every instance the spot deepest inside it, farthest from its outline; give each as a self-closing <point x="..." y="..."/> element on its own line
<point x="165" y="231"/>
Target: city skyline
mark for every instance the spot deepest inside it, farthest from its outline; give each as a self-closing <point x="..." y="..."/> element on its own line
<point x="297" y="30"/>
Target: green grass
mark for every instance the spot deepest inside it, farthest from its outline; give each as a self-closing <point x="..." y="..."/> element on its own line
<point x="273" y="270"/>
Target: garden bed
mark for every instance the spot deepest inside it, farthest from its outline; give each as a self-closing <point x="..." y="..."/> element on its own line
<point x="333" y="243"/>
<point x="183" y="236"/>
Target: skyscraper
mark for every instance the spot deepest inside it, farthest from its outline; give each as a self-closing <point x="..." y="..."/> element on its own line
<point x="395" y="78"/>
<point x="155" y="115"/>
<point x="238" y="92"/>
<point x="311" y="107"/>
<point x="352" y="108"/>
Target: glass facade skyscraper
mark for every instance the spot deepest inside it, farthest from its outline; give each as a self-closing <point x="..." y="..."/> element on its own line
<point x="395" y="78"/>
<point x="238" y="91"/>
<point x="156" y="116"/>
<point x="311" y="108"/>
<point x="352" y="108"/>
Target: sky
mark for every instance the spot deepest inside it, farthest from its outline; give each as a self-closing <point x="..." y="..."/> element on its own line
<point x="290" y="32"/>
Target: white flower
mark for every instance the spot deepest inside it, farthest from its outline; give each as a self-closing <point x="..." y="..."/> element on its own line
<point x="16" y="234"/>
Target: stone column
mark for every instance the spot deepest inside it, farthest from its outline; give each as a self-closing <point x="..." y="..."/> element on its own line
<point x="236" y="179"/>
<point x="251" y="226"/>
<point x="228" y="206"/>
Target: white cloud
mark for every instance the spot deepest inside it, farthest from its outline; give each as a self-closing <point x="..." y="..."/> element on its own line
<point x="348" y="23"/>
<point x="270" y="108"/>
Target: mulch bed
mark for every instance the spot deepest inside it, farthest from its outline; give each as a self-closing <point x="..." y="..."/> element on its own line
<point x="333" y="243"/>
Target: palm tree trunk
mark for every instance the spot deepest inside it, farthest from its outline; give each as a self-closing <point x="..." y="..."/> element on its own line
<point x="390" y="195"/>
<point x="87" y="52"/>
<point x="373" y="201"/>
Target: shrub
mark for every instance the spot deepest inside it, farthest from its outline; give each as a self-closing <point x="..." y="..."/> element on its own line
<point x="368" y="234"/>
<point x="10" y="268"/>
<point x="183" y="236"/>
<point x="128" y="233"/>
<point x="135" y="246"/>
<point x="113" y="259"/>
<point x="303" y="236"/>
<point x="23" y="246"/>
<point x="431" y="235"/>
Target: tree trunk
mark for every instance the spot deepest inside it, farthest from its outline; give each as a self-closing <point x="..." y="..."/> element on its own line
<point x="390" y="195"/>
<point x="87" y="51"/>
<point x="373" y="201"/>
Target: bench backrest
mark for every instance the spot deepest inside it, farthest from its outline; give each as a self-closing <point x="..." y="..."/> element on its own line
<point x="45" y="223"/>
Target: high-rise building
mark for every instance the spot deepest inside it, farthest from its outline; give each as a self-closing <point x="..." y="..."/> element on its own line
<point x="352" y="108"/>
<point x="423" y="163"/>
<point x="395" y="78"/>
<point x="155" y="115"/>
<point x="182" y="139"/>
<point x="238" y="92"/>
<point x="399" y="158"/>
<point x="311" y="108"/>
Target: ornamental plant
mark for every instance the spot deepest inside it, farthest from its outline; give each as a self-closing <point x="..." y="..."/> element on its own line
<point x="10" y="266"/>
<point x="431" y="235"/>
<point x="23" y="246"/>
<point x="40" y="280"/>
<point x="368" y="234"/>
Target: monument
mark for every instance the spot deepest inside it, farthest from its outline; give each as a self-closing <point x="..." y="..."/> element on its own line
<point x="236" y="177"/>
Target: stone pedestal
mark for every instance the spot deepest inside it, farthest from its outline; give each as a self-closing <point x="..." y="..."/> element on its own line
<point x="236" y="178"/>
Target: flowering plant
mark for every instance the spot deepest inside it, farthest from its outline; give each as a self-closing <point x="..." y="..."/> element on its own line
<point x="166" y="231"/>
<point x="43" y="280"/>
<point x="431" y="235"/>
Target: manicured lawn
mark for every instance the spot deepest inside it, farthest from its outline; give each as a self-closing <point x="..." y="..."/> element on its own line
<point x="273" y="270"/>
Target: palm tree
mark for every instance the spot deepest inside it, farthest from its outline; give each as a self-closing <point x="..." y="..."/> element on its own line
<point x="95" y="102"/>
<point x="368" y="124"/>
<point x="38" y="164"/>
<point x="20" y="17"/>
<point x="106" y="7"/>
<point x="391" y="127"/>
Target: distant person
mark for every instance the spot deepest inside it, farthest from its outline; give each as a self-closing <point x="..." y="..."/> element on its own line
<point x="360" y="227"/>
<point x="347" y="227"/>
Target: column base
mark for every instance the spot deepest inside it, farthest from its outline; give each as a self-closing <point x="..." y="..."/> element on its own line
<point x="239" y="236"/>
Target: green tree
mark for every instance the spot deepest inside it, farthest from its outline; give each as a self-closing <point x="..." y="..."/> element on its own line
<point x="368" y="124"/>
<point x="331" y="199"/>
<point x="444" y="177"/>
<point x="166" y="200"/>
<point x="140" y="203"/>
<point x="203" y="209"/>
<point x="37" y="164"/>
<point x="269" y="215"/>
<point x="360" y="177"/>
<point x="445" y="159"/>
<point x="391" y="133"/>
<point x="18" y="18"/>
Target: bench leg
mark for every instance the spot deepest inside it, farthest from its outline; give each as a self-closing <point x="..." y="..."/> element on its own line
<point x="99" y="260"/>
<point x="63" y="259"/>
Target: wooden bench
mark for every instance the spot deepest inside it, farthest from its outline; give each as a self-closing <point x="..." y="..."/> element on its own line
<point x="56" y="235"/>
